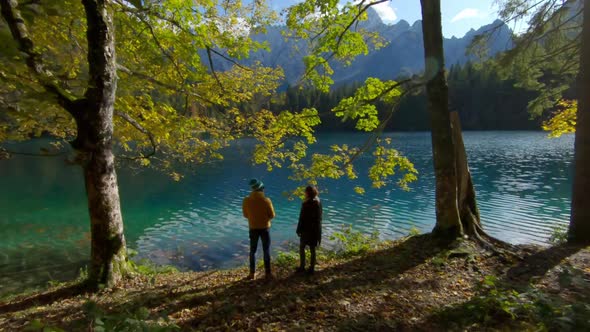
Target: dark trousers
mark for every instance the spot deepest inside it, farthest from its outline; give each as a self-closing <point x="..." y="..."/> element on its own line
<point x="302" y="246"/>
<point x="264" y="234"/>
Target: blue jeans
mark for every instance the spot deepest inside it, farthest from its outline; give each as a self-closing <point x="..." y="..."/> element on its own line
<point x="264" y="234"/>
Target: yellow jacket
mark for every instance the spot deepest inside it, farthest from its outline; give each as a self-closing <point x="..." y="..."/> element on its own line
<point x="258" y="210"/>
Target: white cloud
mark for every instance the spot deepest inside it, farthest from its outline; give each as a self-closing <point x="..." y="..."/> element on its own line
<point x="386" y="13"/>
<point x="467" y="13"/>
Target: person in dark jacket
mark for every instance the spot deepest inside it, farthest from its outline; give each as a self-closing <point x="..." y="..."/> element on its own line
<point x="309" y="228"/>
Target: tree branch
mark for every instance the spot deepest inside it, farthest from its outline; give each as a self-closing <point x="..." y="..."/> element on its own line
<point x="213" y="69"/>
<point x="361" y="10"/>
<point x="142" y="130"/>
<point x="391" y="88"/>
<point x="20" y="34"/>
<point x="161" y="47"/>
<point x="176" y="24"/>
<point x="371" y="140"/>
<point x="229" y="59"/>
<point x="5" y="153"/>
<point x="171" y="87"/>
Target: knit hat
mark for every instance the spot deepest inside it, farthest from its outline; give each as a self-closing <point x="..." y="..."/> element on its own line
<point x="256" y="184"/>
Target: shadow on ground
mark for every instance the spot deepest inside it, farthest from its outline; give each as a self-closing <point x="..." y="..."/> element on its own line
<point x="511" y="302"/>
<point x="44" y="298"/>
<point x="537" y="264"/>
<point x="397" y="288"/>
<point x="331" y="286"/>
<point x="199" y="303"/>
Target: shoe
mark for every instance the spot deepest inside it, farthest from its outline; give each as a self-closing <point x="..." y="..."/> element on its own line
<point x="300" y="270"/>
<point x="268" y="276"/>
<point x="310" y="271"/>
<point x="251" y="276"/>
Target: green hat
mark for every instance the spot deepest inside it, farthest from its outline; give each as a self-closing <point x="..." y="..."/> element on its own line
<point x="256" y="184"/>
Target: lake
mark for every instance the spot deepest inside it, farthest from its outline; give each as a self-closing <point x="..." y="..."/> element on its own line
<point x="522" y="179"/>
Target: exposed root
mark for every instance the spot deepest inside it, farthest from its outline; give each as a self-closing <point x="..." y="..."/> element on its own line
<point x="498" y="247"/>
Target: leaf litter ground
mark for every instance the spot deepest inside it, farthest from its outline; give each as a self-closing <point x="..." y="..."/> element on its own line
<point x="410" y="284"/>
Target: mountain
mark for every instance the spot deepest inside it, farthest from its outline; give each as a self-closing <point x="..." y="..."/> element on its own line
<point x="403" y="55"/>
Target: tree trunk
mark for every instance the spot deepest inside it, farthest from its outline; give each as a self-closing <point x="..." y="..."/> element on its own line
<point x="108" y="250"/>
<point x="94" y="118"/>
<point x="579" y="230"/>
<point x="448" y="223"/>
<point x="468" y="211"/>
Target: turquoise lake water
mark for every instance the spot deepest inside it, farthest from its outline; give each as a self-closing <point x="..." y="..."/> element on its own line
<point x="522" y="179"/>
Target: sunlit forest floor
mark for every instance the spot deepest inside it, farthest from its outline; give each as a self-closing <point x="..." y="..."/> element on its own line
<point x="411" y="284"/>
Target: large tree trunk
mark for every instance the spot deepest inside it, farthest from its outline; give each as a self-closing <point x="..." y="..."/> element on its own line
<point x="448" y="222"/>
<point x="94" y="119"/>
<point x="468" y="210"/>
<point x="579" y="231"/>
<point x="95" y="134"/>
<point x="108" y="250"/>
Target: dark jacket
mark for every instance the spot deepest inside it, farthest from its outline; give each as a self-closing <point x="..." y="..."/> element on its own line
<point x="310" y="222"/>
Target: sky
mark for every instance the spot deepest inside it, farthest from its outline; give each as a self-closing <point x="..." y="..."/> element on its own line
<point x="458" y="16"/>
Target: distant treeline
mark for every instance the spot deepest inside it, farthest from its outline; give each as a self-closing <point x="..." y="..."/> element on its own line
<point x="483" y="99"/>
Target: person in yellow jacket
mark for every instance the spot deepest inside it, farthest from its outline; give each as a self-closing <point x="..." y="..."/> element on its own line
<point x="259" y="211"/>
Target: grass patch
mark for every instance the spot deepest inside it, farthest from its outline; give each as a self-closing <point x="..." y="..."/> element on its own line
<point x="348" y="243"/>
<point x="558" y="234"/>
<point x="137" y="319"/>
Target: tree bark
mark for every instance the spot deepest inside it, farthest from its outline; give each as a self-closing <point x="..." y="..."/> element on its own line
<point x="579" y="230"/>
<point x="108" y="249"/>
<point x="467" y="204"/>
<point x="448" y="222"/>
<point x="95" y="136"/>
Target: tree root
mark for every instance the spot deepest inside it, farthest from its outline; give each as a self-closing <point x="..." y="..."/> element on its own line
<point x="490" y="243"/>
